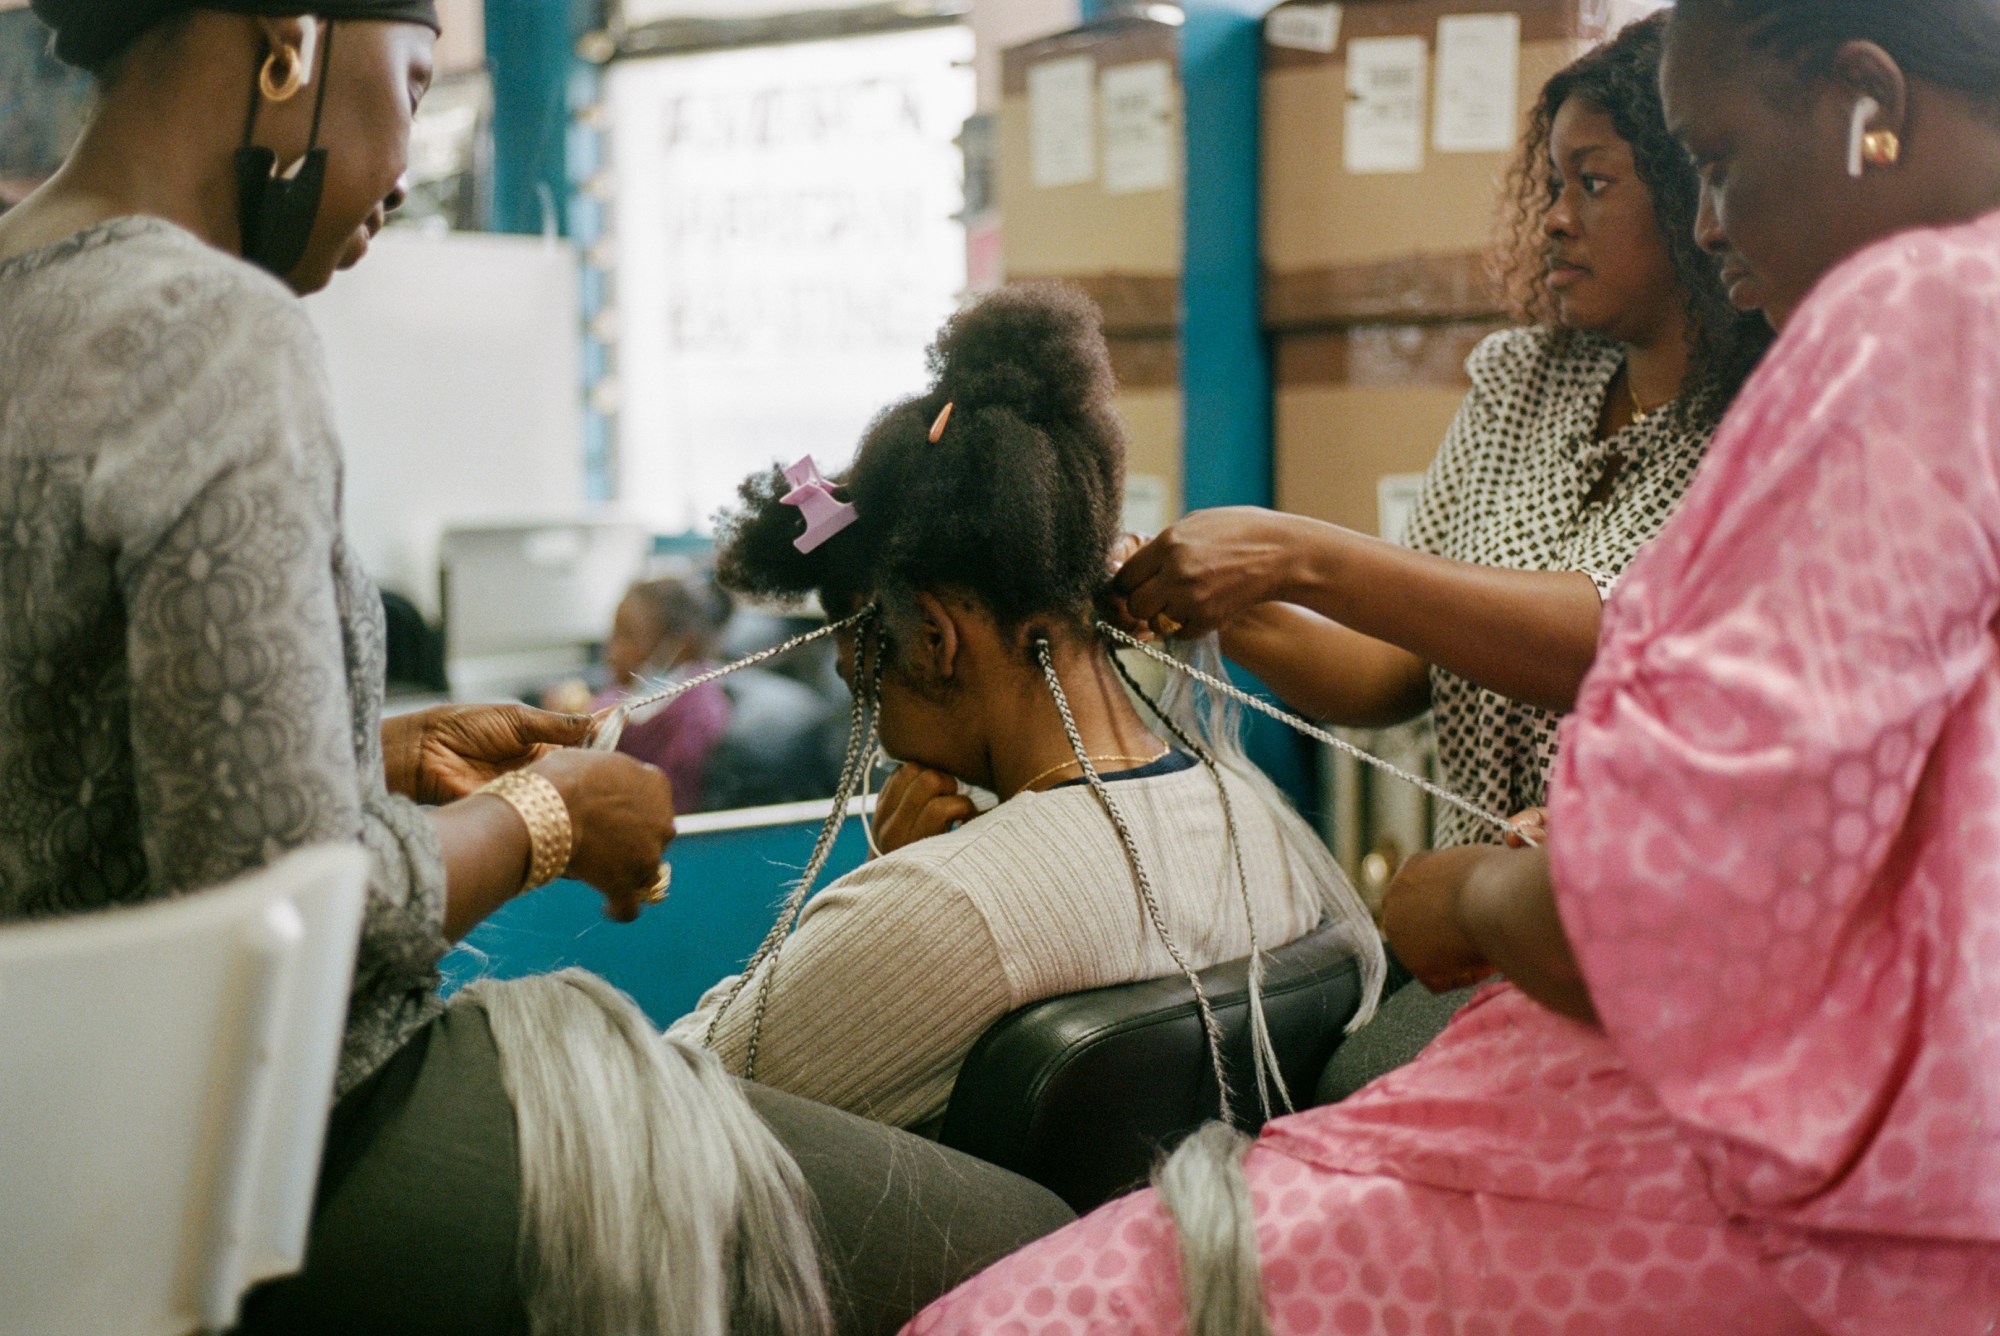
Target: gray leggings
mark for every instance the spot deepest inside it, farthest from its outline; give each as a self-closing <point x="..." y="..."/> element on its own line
<point x="417" y="1218"/>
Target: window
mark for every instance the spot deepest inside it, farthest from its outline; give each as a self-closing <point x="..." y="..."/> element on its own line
<point x="788" y="241"/>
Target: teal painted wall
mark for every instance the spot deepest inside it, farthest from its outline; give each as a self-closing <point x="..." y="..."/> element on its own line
<point x="1225" y="356"/>
<point x="531" y="54"/>
<point x="726" y="891"/>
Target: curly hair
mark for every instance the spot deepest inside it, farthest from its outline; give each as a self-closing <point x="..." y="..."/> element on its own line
<point x="1015" y="506"/>
<point x="1952" y="43"/>
<point x="1622" y="79"/>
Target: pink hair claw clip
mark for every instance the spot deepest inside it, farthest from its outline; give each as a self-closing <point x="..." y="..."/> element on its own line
<point x="825" y="514"/>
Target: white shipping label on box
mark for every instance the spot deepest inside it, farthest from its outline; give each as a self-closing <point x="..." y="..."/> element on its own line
<point x="1478" y="83"/>
<point x="1140" y="146"/>
<point x="1385" y="104"/>
<point x="1304" y="28"/>
<point x="1062" y="122"/>
<point x="1146" y="503"/>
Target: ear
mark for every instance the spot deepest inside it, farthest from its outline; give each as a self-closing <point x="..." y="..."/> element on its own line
<point x="934" y="656"/>
<point x="1865" y="70"/>
<point x="298" y="37"/>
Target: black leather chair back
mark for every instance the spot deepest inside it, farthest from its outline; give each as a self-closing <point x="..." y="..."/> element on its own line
<point x="1083" y="1093"/>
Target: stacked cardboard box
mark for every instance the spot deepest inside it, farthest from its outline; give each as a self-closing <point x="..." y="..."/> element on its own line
<point x="1389" y="126"/>
<point x="1358" y="404"/>
<point x="1090" y="193"/>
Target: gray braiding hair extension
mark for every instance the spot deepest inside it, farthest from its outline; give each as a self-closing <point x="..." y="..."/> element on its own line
<point x="1204" y="1189"/>
<point x="1217" y="719"/>
<point x="1202" y="1184"/>
<point x="1209" y="1025"/>
<point x="860" y="737"/>
<point x="861" y="756"/>
<point x="611" y="721"/>
<point x="1312" y="731"/>
<point x="653" y="1198"/>
<point x="1264" y="1061"/>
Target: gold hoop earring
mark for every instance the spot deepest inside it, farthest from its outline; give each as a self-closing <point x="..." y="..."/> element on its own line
<point x="1881" y="148"/>
<point x="275" y="89"/>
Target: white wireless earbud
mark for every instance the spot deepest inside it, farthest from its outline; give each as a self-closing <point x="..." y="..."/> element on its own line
<point x="1864" y="111"/>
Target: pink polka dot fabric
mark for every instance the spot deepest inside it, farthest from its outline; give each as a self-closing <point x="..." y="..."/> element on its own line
<point x="1775" y="837"/>
<point x="1373" y="1256"/>
<point x="1777" y="806"/>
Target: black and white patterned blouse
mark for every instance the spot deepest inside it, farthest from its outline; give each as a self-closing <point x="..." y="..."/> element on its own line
<point x="190" y="655"/>
<point x="1509" y="489"/>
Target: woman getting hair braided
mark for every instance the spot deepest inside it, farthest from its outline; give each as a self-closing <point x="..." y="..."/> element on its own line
<point x="983" y="513"/>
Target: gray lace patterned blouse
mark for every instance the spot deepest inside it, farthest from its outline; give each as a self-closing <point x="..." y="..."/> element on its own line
<point x="1513" y="488"/>
<point x="190" y="656"/>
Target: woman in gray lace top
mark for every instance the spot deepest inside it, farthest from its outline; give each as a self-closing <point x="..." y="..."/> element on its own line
<point x="191" y="665"/>
<point x="191" y="657"/>
<point x="188" y="660"/>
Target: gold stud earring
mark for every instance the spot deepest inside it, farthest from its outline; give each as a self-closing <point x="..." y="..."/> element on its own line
<point x="276" y="89"/>
<point x="1881" y="148"/>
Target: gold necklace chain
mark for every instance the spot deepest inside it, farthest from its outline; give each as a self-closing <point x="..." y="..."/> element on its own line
<point x="1065" y="765"/>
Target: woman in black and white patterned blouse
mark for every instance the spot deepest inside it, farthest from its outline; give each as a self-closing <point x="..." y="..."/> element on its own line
<point x="1581" y="433"/>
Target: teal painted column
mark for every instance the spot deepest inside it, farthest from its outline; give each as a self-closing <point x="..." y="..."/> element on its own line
<point x="531" y="53"/>
<point x="1225" y="360"/>
<point x="542" y="155"/>
<point x="1225" y="357"/>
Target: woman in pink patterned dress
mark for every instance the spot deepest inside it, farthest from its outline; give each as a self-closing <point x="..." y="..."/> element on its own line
<point x="1743" y="1075"/>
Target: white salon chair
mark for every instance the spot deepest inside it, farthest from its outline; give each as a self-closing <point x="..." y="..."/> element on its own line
<point x="165" y="1073"/>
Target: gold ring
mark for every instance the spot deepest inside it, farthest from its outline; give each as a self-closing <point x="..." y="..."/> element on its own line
<point x="1165" y="625"/>
<point x="658" y="893"/>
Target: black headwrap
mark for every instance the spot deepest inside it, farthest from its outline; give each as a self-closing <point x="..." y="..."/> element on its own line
<point x="90" y="32"/>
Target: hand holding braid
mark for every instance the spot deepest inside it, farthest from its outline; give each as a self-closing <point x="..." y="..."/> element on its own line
<point x="434" y="756"/>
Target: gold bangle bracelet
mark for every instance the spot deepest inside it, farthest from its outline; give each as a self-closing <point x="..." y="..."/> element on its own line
<point x="540" y="807"/>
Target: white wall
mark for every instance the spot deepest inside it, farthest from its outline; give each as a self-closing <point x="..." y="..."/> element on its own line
<point x="456" y="366"/>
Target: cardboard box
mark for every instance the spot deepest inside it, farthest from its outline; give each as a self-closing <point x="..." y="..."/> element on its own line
<point x="1149" y="400"/>
<point x="1362" y="403"/>
<point x="1089" y="192"/>
<point x="1389" y="126"/>
<point x="1089" y="188"/>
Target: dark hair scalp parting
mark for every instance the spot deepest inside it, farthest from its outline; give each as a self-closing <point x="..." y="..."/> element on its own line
<point x="1016" y="504"/>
